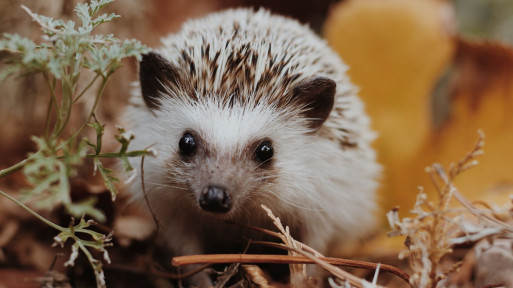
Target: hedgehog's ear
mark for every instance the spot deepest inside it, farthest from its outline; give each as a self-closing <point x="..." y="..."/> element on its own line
<point x="317" y="96"/>
<point x="156" y="75"/>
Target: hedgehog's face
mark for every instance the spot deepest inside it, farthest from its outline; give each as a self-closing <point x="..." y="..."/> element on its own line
<point x="219" y="177"/>
<point x="227" y="154"/>
<point x="225" y="157"/>
<point x="216" y="182"/>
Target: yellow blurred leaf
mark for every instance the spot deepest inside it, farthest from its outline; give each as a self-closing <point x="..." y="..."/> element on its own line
<point x="396" y="51"/>
<point x="481" y="93"/>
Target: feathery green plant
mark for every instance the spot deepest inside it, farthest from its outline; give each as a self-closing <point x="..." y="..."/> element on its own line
<point x="66" y="51"/>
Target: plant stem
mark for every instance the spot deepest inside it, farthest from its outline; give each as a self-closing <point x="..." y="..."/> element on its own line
<point x="91" y="113"/>
<point x="14" y="168"/>
<point x="116" y="155"/>
<point x="48" y="118"/>
<point x="86" y="88"/>
<point x="94" y="263"/>
<point x="66" y="103"/>
<point x="99" y="94"/>
<point x="34" y="213"/>
<point x="53" y="101"/>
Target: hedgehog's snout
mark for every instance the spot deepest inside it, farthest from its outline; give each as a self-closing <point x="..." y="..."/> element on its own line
<point x="215" y="199"/>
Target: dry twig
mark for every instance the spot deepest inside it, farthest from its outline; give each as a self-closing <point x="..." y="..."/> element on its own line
<point x="299" y="254"/>
<point x="280" y="259"/>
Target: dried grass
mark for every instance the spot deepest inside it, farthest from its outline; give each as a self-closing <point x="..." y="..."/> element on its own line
<point x="299" y="255"/>
<point x="298" y="272"/>
<point x="437" y="226"/>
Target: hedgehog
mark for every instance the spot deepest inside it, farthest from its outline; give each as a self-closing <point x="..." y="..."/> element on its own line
<point x="247" y="108"/>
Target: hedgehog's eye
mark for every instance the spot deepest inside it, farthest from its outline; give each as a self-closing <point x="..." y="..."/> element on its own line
<point x="264" y="151"/>
<point x="187" y="144"/>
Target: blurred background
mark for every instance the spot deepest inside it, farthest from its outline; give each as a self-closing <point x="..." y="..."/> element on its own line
<point x="431" y="73"/>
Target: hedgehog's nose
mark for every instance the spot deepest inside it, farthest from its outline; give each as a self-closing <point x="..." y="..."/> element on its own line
<point x="215" y="199"/>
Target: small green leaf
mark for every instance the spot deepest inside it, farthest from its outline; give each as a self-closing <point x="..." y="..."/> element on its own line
<point x="96" y="5"/>
<point x="86" y="207"/>
<point x="48" y="176"/>
<point x="82" y="10"/>
<point x="8" y="71"/>
<point x="103" y="19"/>
<point x="109" y="178"/>
<point x="17" y="44"/>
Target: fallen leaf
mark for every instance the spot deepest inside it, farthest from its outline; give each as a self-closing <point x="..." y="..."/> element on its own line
<point x="396" y="51"/>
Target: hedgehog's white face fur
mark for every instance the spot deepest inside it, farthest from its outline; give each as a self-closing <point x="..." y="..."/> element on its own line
<point x="246" y="108"/>
<point x="231" y="147"/>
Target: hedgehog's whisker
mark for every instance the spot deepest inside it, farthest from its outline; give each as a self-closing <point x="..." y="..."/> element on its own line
<point x="262" y="163"/>
<point x="165" y="185"/>
<point x="266" y="177"/>
<point x="290" y="203"/>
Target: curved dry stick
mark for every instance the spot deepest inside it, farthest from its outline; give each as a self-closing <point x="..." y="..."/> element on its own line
<point x="281" y="259"/>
